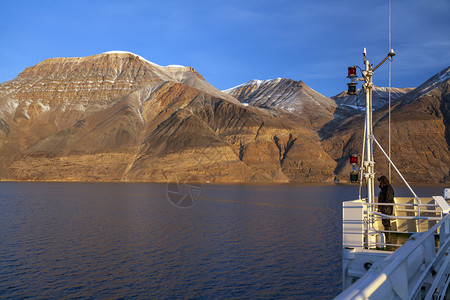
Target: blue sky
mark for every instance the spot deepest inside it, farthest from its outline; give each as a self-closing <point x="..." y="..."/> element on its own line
<point x="231" y="42"/>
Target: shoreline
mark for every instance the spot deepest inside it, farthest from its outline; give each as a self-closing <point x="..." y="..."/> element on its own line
<point x="418" y="184"/>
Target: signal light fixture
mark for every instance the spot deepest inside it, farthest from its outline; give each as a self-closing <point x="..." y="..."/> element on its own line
<point x="354" y="177"/>
<point x="351" y="72"/>
<point x="351" y="88"/>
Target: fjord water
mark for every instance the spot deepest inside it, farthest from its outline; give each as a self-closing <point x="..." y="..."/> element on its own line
<point x="127" y="240"/>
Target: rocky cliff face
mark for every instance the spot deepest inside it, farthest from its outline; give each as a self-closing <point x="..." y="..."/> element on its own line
<point x="116" y="116"/>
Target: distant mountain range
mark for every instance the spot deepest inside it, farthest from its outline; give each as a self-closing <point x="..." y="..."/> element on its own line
<point x="119" y="117"/>
<point x="420" y="134"/>
<point x="380" y="97"/>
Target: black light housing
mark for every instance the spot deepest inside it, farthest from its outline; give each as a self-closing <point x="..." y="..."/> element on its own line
<point x="351" y="88"/>
<point x="354" y="177"/>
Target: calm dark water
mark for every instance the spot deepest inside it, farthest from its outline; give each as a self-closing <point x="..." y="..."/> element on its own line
<point x="127" y="240"/>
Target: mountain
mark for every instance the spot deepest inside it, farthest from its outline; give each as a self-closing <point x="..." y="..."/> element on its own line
<point x="420" y="134"/>
<point x="380" y="97"/>
<point x="292" y="96"/>
<point x="340" y="123"/>
<point x="119" y="117"/>
<point x="350" y="106"/>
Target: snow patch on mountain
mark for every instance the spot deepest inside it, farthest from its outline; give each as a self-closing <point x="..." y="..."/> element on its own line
<point x="254" y="82"/>
<point x="144" y="59"/>
<point x="175" y="66"/>
<point x="127" y="52"/>
<point x="432" y="83"/>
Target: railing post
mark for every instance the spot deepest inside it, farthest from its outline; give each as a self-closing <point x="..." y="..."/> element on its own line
<point x="444" y="232"/>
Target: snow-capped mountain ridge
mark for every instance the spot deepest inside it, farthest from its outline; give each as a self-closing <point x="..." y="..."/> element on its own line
<point x="130" y="53"/>
<point x="104" y="73"/>
<point x="173" y="66"/>
<point x="429" y="85"/>
<point x="277" y="92"/>
<point x="287" y="94"/>
<point x="380" y="97"/>
<point x="255" y="82"/>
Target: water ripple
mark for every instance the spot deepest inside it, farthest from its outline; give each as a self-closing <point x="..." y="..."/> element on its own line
<point x="122" y="241"/>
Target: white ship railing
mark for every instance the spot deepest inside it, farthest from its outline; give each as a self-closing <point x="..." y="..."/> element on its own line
<point x="421" y="213"/>
<point x="414" y="271"/>
<point x="408" y="217"/>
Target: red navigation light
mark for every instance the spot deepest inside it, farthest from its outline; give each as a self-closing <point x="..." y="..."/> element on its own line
<point x="351" y="72"/>
<point x="351" y="88"/>
<point x="354" y="159"/>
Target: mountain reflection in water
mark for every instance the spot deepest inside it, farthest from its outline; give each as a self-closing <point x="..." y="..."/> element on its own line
<point x="128" y="240"/>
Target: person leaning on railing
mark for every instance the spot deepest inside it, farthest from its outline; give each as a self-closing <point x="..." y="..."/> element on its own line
<point x="386" y="196"/>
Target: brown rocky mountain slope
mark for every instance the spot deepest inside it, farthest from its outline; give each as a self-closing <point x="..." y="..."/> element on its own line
<point x="116" y="116"/>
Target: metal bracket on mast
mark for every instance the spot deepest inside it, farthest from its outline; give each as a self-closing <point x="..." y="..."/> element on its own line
<point x="369" y="163"/>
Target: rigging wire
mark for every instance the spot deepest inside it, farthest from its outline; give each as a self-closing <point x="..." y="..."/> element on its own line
<point x="389" y="91"/>
<point x="359" y="93"/>
<point x="361" y="170"/>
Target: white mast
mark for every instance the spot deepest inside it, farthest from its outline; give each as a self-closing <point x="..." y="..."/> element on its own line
<point x="368" y="162"/>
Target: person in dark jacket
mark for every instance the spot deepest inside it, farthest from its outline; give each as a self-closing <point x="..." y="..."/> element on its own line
<point x="386" y="196"/>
